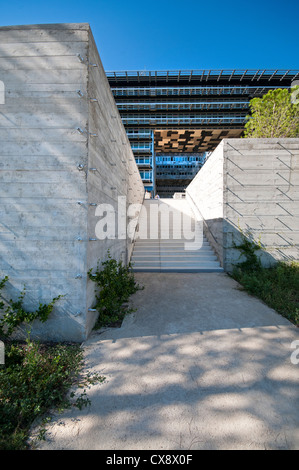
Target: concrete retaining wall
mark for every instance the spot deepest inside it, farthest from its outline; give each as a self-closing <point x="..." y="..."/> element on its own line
<point x="53" y="174"/>
<point x="260" y="197"/>
<point x="205" y="194"/>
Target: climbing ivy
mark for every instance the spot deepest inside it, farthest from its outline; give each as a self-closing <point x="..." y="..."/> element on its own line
<point x="248" y="248"/>
<point x="14" y="313"/>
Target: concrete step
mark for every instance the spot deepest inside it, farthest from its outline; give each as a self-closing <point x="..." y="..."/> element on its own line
<point x="171" y="256"/>
<point x="166" y="240"/>
<point x="177" y="249"/>
<point x="176" y="263"/>
<point x="178" y="269"/>
<point x="168" y="252"/>
<point x="173" y="243"/>
<point x="167" y="237"/>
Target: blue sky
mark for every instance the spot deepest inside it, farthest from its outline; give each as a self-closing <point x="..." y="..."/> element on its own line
<point x="172" y="34"/>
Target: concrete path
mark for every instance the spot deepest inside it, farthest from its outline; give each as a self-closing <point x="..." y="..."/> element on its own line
<point x="200" y="365"/>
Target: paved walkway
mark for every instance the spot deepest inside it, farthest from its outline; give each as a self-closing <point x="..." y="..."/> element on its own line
<point x="200" y="365"/>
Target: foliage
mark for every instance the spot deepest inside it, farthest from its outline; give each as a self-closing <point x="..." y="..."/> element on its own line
<point x="34" y="379"/>
<point x="15" y="314"/>
<point x="115" y="284"/>
<point x="273" y="115"/>
<point x="248" y="248"/>
<point x="277" y="286"/>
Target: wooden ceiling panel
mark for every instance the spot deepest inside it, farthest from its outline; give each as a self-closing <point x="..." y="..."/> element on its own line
<point x="197" y="140"/>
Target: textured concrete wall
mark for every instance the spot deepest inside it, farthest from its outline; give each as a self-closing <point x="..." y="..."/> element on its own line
<point x="205" y="194"/>
<point x="116" y="176"/>
<point x="260" y="197"/>
<point x="47" y="184"/>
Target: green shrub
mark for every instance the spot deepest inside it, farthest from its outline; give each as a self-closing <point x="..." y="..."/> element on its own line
<point x="248" y="248"/>
<point x="277" y="286"/>
<point x="115" y="284"/>
<point x="34" y="379"/>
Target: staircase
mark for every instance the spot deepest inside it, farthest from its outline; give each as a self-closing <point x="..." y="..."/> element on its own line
<point x="163" y="248"/>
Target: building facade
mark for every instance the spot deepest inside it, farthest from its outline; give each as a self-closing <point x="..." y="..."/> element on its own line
<point x="184" y="115"/>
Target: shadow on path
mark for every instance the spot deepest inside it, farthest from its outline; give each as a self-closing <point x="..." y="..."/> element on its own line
<point x="200" y="365"/>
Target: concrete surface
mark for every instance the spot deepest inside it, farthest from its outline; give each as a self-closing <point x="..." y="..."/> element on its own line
<point x="252" y="185"/>
<point x="53" y="175"/>
<point x="200" y="365"/>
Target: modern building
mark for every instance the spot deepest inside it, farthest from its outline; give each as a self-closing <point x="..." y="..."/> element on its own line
<point x="174" y="171"/>
<point x="173" y="118"/>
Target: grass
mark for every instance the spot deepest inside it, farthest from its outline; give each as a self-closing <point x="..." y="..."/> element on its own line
<point x="277" y="286"/>
<point x="36" y="378"/>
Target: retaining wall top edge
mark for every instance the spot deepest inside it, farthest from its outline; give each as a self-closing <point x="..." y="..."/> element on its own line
<point x="262" y="140"/>
<point x="58" y="26"/>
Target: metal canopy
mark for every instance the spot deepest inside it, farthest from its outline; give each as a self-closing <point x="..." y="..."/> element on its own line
<point x="193" y="77"/>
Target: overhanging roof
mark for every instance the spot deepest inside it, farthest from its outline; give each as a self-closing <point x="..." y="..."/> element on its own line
<point x="273" y="77"/>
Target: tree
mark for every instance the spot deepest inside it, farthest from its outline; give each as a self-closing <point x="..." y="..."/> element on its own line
<point x="273" y="115"/>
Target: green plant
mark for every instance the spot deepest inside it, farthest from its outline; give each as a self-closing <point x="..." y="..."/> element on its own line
<point x="273" y="115"/>
<point x="15" y="314"/>
<point x="277" y="286"/>
<point x="35" y="378"/>
<point x="115" y="284"/>
<point x="248" y="248"/>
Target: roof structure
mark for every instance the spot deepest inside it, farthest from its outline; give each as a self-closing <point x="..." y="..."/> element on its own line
<point x="187" y="111"/>
<point x="263" y="77"/>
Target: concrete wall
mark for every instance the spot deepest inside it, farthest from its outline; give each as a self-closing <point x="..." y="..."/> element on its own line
<point x="116" y="175"/>
<point x="47" y="181"/>
<point x="205" y="194"/>
<point x="260" y="197"/>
